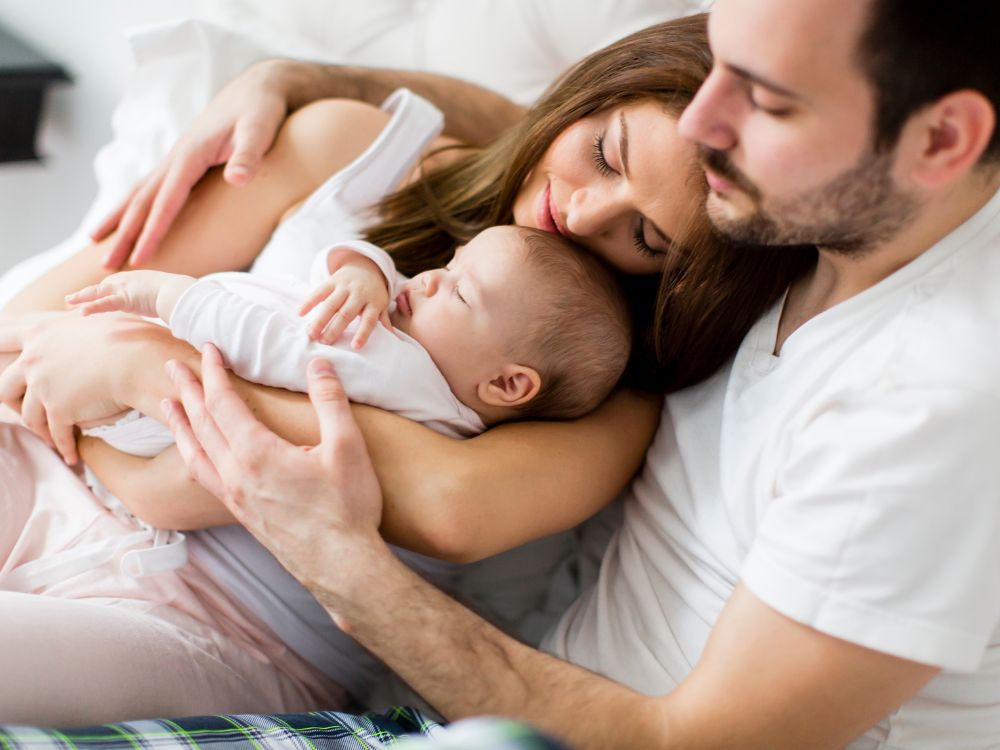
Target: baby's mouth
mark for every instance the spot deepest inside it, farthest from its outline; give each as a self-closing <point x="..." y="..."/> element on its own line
<point x="403" y="303"/>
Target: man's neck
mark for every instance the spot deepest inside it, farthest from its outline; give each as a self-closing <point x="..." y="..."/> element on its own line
<point x="839" y="276"/>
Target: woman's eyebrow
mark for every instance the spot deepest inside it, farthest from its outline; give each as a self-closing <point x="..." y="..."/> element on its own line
<point x="623" y="153"/>
<point x="623" y="143"/>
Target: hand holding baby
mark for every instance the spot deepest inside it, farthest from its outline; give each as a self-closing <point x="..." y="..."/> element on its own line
<point x="356" y="288"/>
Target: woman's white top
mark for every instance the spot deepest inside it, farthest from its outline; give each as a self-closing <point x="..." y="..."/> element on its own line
<point x="851" y="483"/>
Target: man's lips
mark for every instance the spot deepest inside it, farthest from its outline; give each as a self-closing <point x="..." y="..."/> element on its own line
<point x="718" y="184"/>
<point x="403" y="303"/>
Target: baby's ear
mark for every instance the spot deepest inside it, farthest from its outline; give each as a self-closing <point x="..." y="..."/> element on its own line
<point x="512" y="386"/>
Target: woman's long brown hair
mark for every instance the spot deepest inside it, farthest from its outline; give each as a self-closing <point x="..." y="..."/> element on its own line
<point x="691" y="318"/>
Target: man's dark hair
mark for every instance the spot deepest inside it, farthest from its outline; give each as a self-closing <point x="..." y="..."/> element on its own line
<point x="916" y="51"/>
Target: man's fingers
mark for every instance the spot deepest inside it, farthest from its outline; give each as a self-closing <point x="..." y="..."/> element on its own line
<point x="111" y="221"/>
<point x="170" y="198"/>
<point x="203" y="425"/>
<point x="198" y="463"/>
<point x="132" y="222"/>
<point x="251" y="140"/>
<point x="232" y="417"/>
<point x="331" y="405"/>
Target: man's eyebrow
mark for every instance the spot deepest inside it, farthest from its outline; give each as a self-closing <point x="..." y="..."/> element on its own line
<point x="761" y="81"/>
<point x="623" y="143"/>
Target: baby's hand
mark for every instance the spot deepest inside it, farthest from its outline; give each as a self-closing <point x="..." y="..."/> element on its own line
<point x="356" y="289"/>
<point x="147" y="293"/>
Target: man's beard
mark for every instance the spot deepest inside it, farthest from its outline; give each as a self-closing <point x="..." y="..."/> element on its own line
<point x="851" y="214"/>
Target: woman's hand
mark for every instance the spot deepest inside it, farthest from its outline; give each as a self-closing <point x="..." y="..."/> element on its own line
<point x="303" y="504"/>
<point x="57" y="380"/>
<point x="236" y="129"/>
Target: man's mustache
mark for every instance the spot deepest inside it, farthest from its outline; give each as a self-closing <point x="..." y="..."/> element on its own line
<point x="719" y="162"/>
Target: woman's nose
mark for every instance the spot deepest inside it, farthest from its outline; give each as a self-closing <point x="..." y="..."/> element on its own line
<point x="593" y="212"/>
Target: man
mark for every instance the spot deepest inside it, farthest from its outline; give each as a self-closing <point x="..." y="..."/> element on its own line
<point x="834" y="493"/>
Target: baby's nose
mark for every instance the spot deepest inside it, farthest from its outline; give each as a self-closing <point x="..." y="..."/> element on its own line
<point x="431" y="282"/>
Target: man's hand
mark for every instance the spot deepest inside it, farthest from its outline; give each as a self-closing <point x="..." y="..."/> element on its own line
<point x="301" y="503"/>
<point x="357" y="289"/>
<point x="236" y="129"/>
<point x="148" y="293"/>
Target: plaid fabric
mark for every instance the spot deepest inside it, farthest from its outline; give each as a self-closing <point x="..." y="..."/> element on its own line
<point x="320" y="730"/>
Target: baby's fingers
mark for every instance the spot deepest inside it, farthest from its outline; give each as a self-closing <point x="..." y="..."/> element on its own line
<point x="111" y="303"/>
<point x="369" y="319"/>
<point x="317" y="296"/>
<point x="331" y="317"/>
<point x="87" y="294"/>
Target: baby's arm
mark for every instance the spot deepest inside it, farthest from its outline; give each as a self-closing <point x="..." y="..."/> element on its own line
<point x="159" y="490"/>
<point x="356" y="287"/>
<point x="153" y="294"/>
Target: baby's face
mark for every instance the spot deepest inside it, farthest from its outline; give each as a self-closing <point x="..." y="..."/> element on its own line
<point x="464" y="314"/>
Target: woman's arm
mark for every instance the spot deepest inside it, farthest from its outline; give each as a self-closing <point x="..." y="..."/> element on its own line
<point x="459" y="500"/>
<point x="223" y="228"/>
<point x="159" y="490"/>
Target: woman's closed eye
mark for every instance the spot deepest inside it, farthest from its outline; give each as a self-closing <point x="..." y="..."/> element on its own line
<point x="640" y="244"/>
<point x="597" y="153"/>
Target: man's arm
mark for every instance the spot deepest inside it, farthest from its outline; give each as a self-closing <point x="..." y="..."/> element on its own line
<point x="239" y="126"/>
<point x="472" y="114"/>
<point x="764" y="681"/>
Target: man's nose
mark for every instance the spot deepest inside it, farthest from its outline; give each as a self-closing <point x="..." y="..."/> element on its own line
<point x="709" y="119"/>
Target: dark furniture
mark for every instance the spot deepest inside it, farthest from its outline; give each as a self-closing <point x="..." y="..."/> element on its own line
<point x="24" y="76"/>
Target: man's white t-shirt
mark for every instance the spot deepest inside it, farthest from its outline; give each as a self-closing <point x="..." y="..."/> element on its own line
<point x="851" y="483"/>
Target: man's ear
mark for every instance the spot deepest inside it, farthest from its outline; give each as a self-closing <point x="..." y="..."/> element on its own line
<point x="512" y="386"/>
<point x="949" y="136"/>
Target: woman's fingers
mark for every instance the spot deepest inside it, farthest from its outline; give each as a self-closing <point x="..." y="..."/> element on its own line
<point x="33" y="417"/>
<point x="13" y="385"/>
<point x="112" y="220"/>
<point x="63" y="438"/>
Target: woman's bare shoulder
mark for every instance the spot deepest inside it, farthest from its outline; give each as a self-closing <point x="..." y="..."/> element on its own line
<point x="330" y="133"/>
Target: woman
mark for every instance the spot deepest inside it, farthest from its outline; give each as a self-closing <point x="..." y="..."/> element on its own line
<point x="599" y="160"/>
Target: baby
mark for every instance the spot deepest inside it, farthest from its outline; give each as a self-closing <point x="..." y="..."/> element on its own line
<point x="519" y="324"/>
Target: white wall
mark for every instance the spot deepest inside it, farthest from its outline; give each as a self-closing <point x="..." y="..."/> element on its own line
<point x="42" y="203"/>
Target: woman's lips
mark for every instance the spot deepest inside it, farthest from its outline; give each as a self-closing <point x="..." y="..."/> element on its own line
<point x="547" y="214"/>
<point x="403" y="303"/>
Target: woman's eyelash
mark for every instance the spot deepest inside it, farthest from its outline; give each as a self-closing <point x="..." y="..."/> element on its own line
<point x="597" y="151"/>
<point x="639" y="242"/>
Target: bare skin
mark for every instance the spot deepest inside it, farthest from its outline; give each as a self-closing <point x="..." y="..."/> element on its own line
<point x="482" y="496"/>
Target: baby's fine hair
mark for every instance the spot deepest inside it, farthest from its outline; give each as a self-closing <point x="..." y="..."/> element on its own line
<point x="580" y="330"/>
